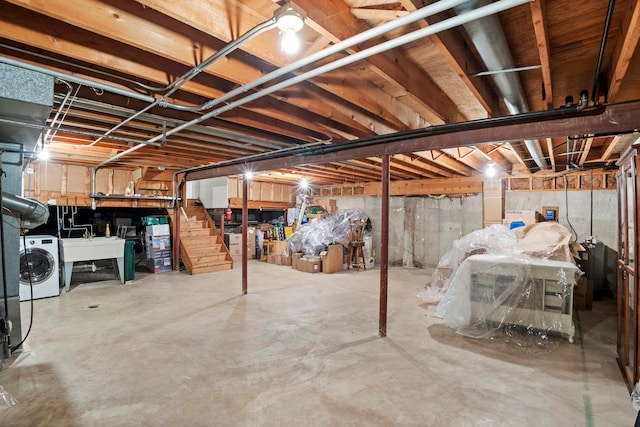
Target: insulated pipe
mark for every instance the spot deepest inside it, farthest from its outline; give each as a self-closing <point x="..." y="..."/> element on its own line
<point x="390" y="44"/>
<point x="31" y="212"/>
<point x="490" y="42"/>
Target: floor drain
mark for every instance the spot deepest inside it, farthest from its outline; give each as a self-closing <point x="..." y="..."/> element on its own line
<point x="93" y="306"/>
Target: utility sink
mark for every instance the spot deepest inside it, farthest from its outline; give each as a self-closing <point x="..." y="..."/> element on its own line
<point x="80" y="249"/>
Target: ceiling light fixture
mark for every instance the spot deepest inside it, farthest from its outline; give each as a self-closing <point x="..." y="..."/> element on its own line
<point x="290" y="19"/>
<point x="43" y="154"/>
<point x="248" y="175"/>
<point x="491" y="170"/>
<point x="304" y="183"/>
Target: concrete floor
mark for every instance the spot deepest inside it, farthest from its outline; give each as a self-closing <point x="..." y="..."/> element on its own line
<point x="177" y="350"/>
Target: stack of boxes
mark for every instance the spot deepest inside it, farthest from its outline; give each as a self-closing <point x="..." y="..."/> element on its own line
<point x="234" y="244"/>
<point x="158" y="245"/>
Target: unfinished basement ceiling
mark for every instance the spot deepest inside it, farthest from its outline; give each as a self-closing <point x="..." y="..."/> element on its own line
<point x="141" y="47"/>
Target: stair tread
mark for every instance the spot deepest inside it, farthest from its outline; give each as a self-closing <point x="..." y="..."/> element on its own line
<point x="213" y="268"/>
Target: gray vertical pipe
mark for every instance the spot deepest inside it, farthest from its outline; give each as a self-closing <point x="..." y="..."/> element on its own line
<point x="245" y="226"/>
<point x="384" y="246"/>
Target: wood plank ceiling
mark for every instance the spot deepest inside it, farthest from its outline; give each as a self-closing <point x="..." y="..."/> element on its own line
<point x="143" y="47"/>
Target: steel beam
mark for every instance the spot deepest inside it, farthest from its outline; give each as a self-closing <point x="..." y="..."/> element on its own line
<point x="245" y="227"/>
<point x="602" y="120"/>
<point x="384" y="245"/>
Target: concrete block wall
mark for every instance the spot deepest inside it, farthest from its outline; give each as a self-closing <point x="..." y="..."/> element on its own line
<point x="578" y="209"/>
<point x="421" y="229"/>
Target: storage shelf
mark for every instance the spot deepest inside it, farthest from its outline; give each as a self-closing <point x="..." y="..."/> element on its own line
<point x="122" y="196"/>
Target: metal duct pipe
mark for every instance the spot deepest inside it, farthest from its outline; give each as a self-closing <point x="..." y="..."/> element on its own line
<point x="489" y="40"/>
<point x="31" y="212"/>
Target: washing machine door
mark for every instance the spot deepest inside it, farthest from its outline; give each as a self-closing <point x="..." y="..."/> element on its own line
<point x="38" y="263"/>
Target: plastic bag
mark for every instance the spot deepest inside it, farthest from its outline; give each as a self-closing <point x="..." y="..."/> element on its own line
<point x="7" y="399"/>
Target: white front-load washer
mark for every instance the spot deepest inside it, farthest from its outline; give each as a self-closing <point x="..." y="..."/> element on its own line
<point x="39" y="261"/>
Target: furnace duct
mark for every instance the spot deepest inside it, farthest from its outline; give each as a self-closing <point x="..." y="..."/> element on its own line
<point x="30" y="213"/>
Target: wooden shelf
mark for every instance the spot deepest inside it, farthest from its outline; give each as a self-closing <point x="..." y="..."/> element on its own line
<point x="122" y="196"/>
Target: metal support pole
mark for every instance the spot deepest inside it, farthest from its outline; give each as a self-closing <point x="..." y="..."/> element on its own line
<point x="222" y="226"/>
<point x="384" y="246"/>
<point x="176" y="233"/>
<point x="245" y="226"/>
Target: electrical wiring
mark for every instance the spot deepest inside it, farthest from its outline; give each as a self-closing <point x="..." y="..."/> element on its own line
<point x="26" y="254"/>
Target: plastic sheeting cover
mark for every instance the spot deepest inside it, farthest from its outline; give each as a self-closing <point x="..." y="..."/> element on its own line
<point x="489" y="292"/>
<point x="512" y="280"/>
<point x="313" y="237"/>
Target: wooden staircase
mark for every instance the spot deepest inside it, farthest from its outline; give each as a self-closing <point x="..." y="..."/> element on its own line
<point x="202" y="249"/>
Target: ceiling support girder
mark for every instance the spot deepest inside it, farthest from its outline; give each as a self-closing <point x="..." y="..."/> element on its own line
<point x="609" y="119"/>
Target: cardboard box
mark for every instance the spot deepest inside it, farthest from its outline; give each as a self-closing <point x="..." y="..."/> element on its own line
<point x="583" y="294"/>
<point x="233" y="239"/>
<point x="527" y="217"/>
<point x="278" y="246"/>
<point x="158" y="230"/>
<point x="295" y="257"/>
<point x="309" y="266"/>
<point x="330" y="205"/>
<point x="332" y="259"/>
<point x="235" y="249"/>
<point x="284" y="260"/>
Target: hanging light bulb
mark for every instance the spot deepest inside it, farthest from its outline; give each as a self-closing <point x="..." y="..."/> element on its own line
<point x="290" y="42"/>
<point x="491" y="170"/>
<point x="304" y="183"/>
<point x="43" y="154"/>
<point x="290" y="20"/>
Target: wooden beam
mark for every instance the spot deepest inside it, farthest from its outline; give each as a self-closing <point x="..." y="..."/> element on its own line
<point x="585" y="151"/>
<point x="542" y="40"/>
<point x="552" y="157"/>
<point x="198" y="15"/>
<point x="422" y="165"/>
<point x="466" y="155"/>
<point x="236" y="203"/>
<point x="455" y="50"/>
<point x="442" y="159"/>
<point x="336" y="18"/>
<point x="421" y="187"/>
<point x="379" y="15"/>
<point x="625" y="48"/>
